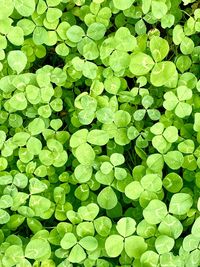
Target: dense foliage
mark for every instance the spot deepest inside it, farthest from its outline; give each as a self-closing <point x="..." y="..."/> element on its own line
<point x="100" y="133"/>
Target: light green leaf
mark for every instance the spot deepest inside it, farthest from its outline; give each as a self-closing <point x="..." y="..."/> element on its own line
<point x="173" y="182"/>
<point x="85" y="154"/>
<point x="107" y="198"/>
<point x="75" y="33"/>
<point x="135" y="246"/>
<point x="117" y="159"/>
<point x="174" y="159"/>
<point x="36" y="126"/>
<point x="196" y="228"/>
<point x="126" y="226"/>
<point x="180" y="203"/>
<point x="7" y="8"/>
<point x="89" y="243"/>
<point x="20" y="180"/>
<point x="155" y="212"/>
<point x="133" y="190"/>
<point x="98" y="137"/>
<point x="163" y="72"/>
<point x="83" y="173"/>
<point x="170" y="226"/>
<point x="140" y="64"/>
<point x="171" y="134"/>
<point x="151" y="182"/>
<point x="77" y="254"/>
<point x="68" y="241"/>
<point x="159" y="48"/>
<point x="159" y="9"/>
<point x="25" y="7"/>
<point x="164" y="244"/>
<point x="16" y="36"/>
<point x="78" y="138"/>
<point x="89" y="212"/>
<point x="96" y="31"/>
<point x="4" y="216"/>
<point x="17" y="60"/>
<point x="36" y="186"/>
<point x="114" y="251"/>
<point x="38" y="249"/>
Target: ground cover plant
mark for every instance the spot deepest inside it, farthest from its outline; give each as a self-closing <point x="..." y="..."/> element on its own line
<point x="100" y="133"/>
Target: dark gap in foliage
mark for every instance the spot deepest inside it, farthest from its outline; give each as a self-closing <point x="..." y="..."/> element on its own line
<point x="51" y="59"/>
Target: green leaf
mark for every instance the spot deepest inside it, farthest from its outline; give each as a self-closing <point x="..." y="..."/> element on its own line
<point x="126" y="226"/>
<point x="68" y="241"/>
<point x="77" y="254"/>
<point x="184" y="93"/>
<point x="133" y="190"/>
<point x="7" y="8"/>
<point x="89" y="243"/>
<point x="36" y="126"/>
<point x="167" y="21"/>
<point x="187" y="146"/>
<point x="96" y="31"/>
<point x="38" y="249"/>
<point x="6" y="201"/>
<point x="16" y="36"/>
<point x="17" y="60"/>
<point x="160" y="143"/>
<point x="114" y="251"/>
<point x="85" y="154"/>
<point x="53" y="14"/>
<point x="34" y="145"/>
<point x="39" y="204"/>
<point x="159" y="9"/>
<point x="4" y="216"/>
<point x="186" y="46"/>
<point x="149" y="258"/>
<point x="155" y="162"/>
<point x="159" y="48"/>
<point x="107" y="198"/>
<point x="89" y="212"/>
<point x="90" y="70"/>
<point x="171" y="134"/>
<point x="103" y="225"/>
<point x="164" y="244"/>
<point x="155" y="212"/>
<point x="151" y="182"/>
<point x="112" y="86"/>
<point x="25" y="8"/>
<point x="36" y="186"/>
<point x="190" y="242"/>
<point x="78" y="138"/>
<point x="124" y="40"/>
<point x="141" y="64"/>
<point x="117" y="159"/>
<point x="18" y="101"/>
<point x="135" y="246"/>
<point x="122" y="118"/>
<point x="180" y="203"/>
<point x="170" y="226"/>
<point x="174" y="159"/>
<point x="163" y="72"/>
<point x="196" y="227"/>
<point x="196" y="125"/>
<point x="75" y="33"/>
<point x="20" y="180"/>
<point x="120" y="4"/>
<point x="173" y="182"/>
<point x="83" y="173"/>
<point x="98" y="137"/>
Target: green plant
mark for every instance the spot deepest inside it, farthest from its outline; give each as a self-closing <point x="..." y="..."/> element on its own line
<point x="99" y="133"/>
